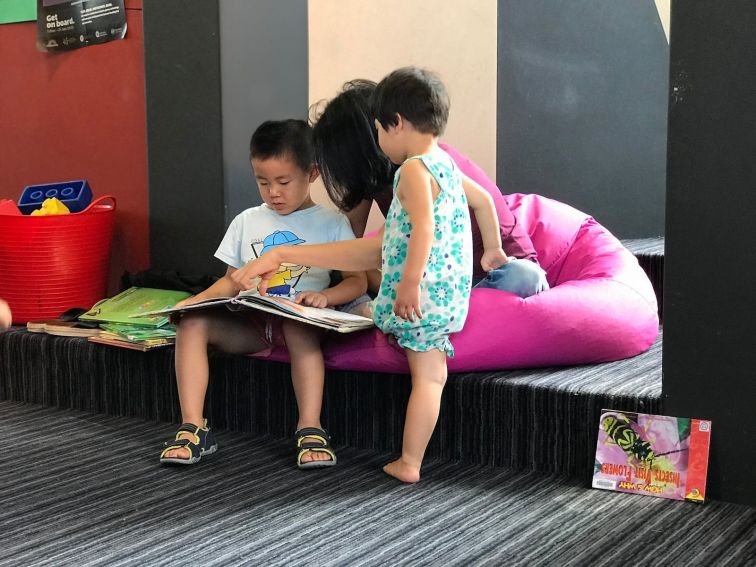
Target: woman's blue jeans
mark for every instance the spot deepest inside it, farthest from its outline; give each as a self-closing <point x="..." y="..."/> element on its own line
<point x="521" y="277"/>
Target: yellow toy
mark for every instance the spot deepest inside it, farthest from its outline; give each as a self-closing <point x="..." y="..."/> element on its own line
<point x="51" y="206"/>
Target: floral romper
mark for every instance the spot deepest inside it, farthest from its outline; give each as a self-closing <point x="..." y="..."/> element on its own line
<point x="446" y="282"/>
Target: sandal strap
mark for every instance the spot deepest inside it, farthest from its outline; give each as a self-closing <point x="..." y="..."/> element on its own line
<point x="313" y="445"/>
<point x="314" y="432"/>
<point x="191" y="428"/>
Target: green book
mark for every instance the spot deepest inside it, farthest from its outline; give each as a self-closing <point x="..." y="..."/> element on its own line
<point x="126" y="306"/>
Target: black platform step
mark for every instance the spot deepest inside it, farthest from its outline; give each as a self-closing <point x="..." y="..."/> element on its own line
<point x="535" y="419"/>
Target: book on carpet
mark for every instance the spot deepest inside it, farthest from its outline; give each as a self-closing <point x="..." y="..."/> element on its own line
<point x="135" y="306"/>
<point x="279" y="305"/>
<point x="657" y="455"/>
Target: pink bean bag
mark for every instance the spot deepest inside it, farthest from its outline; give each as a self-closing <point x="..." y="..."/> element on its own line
<point x="601" y="306"/>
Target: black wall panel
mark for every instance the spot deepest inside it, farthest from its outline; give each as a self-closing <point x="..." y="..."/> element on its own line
<point x="709" y="300"/>
<point x="184" y="145"/>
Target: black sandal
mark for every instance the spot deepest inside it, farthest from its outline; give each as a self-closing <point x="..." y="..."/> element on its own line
<point x="203" y="443"/>
<point x="322" y="444"/>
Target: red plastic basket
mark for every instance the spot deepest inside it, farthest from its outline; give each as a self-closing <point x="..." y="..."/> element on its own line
<point x="52" y="263"/>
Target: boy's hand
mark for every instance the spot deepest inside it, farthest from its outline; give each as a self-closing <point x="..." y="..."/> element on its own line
<point x="5" y="315"/>
<point x="492" y="259"/>
<point x="312" y="298"/>
<point x="264" y="268"/>
<point x="407" y="304"/>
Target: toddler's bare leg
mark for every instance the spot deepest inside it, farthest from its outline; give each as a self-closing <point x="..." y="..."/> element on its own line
<point x="428" y="379"/>
<point x="230" y="332"/>
<point x="307" y="377"/>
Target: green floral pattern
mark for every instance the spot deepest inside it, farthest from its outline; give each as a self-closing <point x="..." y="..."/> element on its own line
<point x="445" y="286"/>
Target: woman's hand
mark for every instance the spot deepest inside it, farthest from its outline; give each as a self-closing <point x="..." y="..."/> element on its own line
<point x="407" y="304"/>
<point x="492" y="259"/>
<point x="258" y="272"/>
<point x="312" y="298"/>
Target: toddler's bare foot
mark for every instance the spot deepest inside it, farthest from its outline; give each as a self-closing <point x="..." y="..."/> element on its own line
<point x="402" y="471"/>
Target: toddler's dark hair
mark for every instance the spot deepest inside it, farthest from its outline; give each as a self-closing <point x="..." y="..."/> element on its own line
<point x="416" y="95"/>
<point x="351" y="164"/>
<point x="284" y="138"/>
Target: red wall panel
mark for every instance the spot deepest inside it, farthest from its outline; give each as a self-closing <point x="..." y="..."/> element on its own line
<point x="79" y="115"/>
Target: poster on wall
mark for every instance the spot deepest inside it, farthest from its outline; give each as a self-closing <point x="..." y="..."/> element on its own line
<point x="70" y="24"/>
<point x="12" y="11"/>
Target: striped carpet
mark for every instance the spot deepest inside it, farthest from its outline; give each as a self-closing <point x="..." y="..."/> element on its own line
<point x="82" y="489"/>
<point x="542" y="419"/>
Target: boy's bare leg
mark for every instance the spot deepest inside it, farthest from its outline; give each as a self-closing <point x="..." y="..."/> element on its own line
<point x="429" y="372"/>
<point x="307" y="377"/>
<point x="230" y="332"/>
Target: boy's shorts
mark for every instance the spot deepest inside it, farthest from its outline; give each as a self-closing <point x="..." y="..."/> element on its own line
<point x="352" y="305"/>
<point x="269" y="328"/>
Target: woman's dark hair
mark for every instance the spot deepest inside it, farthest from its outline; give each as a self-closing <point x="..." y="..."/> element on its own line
<point x="351" y="164"/>
<point x="284" y="138"/>
<point x="417" y="95"/>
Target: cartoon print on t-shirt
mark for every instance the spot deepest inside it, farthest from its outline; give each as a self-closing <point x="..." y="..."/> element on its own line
<point x="284" y="282"/>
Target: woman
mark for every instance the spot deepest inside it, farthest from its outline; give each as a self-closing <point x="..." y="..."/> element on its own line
<point x="356" y="173"/>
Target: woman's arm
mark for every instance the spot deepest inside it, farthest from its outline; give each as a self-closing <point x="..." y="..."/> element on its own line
<point x="482" y="205"/>
<point x="356" y="255"/>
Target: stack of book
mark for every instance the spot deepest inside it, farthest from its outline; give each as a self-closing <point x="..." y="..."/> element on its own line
<point x="135" y="337"/>
<point x="139" y="318"/>
<point x="124" y="321"/>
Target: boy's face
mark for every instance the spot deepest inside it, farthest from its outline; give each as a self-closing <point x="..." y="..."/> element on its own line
<point x="284" y="187"/>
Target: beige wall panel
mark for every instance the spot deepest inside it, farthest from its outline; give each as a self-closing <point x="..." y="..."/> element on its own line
<point x="367" y="39"/>
<point x="663" y="7"/>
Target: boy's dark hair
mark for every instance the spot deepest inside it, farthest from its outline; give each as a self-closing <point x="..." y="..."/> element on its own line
<point x="284" y="138"/>
<point x="417" y="95"/>
<point x="351" y="163"/>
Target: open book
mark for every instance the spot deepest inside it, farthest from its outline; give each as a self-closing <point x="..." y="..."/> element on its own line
<point x="278" y="305"/>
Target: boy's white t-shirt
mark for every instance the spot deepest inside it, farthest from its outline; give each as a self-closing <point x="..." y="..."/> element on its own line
<point x="255" y="231"/>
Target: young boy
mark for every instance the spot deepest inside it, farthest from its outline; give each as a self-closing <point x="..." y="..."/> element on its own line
<point x="281" y="155"/>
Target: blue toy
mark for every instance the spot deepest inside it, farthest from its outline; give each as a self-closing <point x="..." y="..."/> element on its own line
<point x="76" y="195"/>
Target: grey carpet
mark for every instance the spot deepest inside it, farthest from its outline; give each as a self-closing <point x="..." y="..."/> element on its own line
<point x="542" y="419"/>
<point x="80" y="489"/>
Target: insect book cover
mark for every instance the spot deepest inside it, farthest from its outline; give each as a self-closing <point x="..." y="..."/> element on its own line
<point x="657" y="455"/>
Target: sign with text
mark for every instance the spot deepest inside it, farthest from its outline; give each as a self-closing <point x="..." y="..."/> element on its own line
<point x="67" y="24"/>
